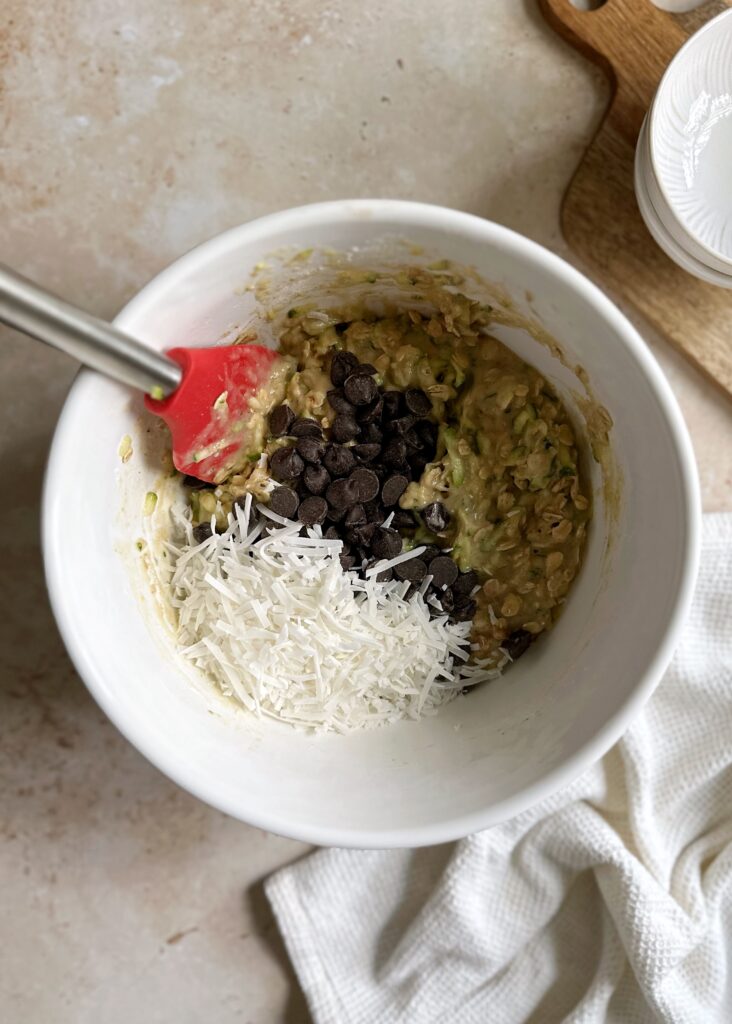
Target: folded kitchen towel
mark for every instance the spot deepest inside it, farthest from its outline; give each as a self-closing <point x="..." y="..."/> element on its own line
<point x="609" y="903"/>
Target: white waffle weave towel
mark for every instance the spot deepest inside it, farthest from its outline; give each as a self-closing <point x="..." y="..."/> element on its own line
<point x="610" y="903"/>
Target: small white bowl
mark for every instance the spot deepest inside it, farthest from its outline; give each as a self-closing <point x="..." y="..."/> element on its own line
<point x="690" y="145"/>
<point x="661" y="224"/>
<point x="484" y="757"/>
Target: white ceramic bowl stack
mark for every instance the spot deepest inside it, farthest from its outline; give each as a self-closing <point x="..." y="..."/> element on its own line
<point x="683" y="165"/>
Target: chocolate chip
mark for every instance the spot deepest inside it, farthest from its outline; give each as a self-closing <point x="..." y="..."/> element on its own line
<point x="402" y="425"/>
<point x="347" y="561"/>
<point x="518" y="643"/>
<point x="360" y="389"/>
<point x="386" y="543"/>
<point x="241" y="502"/>
<point x="283" y="501"/>
<point x="342" y="365"/>
<point x="375" y="512"/>
<point x="366" y="368"/>
<point x="336" y="515"/>
<point x="316" y="479"/>
<point x="305" y="427"/>
<point x="419" y="462"/>
<point x="311" y="449"/>
<point x="355" y="516"/>
<point x="341" y="494"/>
<point x="417" y="402"/>
<point x="194" y="483"/>
<point x="285" y="464"/>
<point x="417" y="465"/>
<point x="463" y="612"/>
<point x="280" y="420"/>
<point x="465" y="584"/>
<point x="403" y="519"/>
<point x="443" y="571"/>
<point x="413" y="570"/>
<point x="381" y="577"/>
<point x="413" y="441"/>
<point x="372" y="433"/>
<point x="332" y="534"/>
<point x="446" y="599"/>
<point x="392" y="404"/>
<point x="394" y="487"/>
<point x="202" y="532"/>
<point x="363" y="535"/>
<point x="372" y="412"/>
<point x="344" y="428"/>
<point x="427" y="432"/>
<point x="436" y="517"/>
<point x="366" y="452"/>
<point x="339" y="461"/>
<point x="395" y="452"/>
<point x="338" y="401"/>
<point x="312" y="510"/>
<point x="365" y="482"/>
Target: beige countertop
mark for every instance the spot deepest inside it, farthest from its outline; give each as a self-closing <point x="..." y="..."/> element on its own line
<point x="130" y="132"/>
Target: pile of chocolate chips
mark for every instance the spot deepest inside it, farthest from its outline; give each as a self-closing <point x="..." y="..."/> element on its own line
<point x="352" y="479"/>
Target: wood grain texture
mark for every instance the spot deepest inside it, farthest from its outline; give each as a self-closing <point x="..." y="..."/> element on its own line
<point x="634" y="42"/>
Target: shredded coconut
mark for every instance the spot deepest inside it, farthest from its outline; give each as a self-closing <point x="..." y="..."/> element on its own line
<point x="273" y="619"/>
<point x="391" y="562"/>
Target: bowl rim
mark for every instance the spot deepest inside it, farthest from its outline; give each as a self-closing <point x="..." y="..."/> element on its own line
<point x="402" y="215"/>
<point x="655" y="144"/>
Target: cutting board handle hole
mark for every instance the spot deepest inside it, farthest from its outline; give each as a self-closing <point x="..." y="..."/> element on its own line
<point x="587" y="5"/>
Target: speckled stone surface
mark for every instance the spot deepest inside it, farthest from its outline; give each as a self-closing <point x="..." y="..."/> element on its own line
<point x="130" y="132"/>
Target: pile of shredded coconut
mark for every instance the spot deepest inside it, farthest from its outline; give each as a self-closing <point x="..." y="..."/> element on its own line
<point x="274" y="620"/>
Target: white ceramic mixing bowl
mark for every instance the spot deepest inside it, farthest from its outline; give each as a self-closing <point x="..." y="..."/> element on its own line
<point x="484" y="757"/>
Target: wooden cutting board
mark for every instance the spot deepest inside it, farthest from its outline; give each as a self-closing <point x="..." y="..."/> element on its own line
<point x="634" y="41"/>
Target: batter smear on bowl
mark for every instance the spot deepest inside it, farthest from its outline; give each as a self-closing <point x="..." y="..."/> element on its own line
<point x="435" y="469"/>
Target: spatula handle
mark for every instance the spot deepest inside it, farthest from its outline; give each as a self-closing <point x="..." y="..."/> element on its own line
<point x="30" y="309"/>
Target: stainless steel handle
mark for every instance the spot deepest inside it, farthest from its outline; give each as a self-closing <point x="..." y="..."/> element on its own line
<point x="30" y="309"/>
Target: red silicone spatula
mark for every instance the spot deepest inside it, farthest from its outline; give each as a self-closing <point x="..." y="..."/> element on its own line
<point x="201" y="393"/>
<point x="206" y="411"/>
